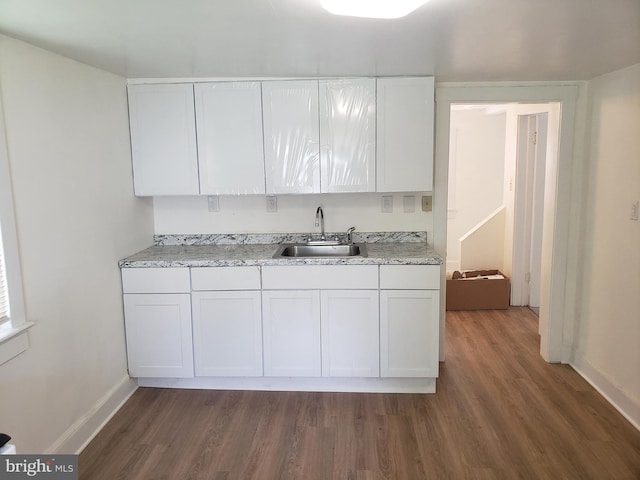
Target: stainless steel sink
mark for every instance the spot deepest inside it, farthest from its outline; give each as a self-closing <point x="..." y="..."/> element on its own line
<point x="307" y="251"/>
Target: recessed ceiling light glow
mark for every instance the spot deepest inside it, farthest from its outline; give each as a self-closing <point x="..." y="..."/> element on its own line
<point x="372" y="8"/>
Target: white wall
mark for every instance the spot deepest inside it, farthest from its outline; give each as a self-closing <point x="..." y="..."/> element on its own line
<point x="296" y="213"/>
<point x="68" y="143"/>
<point x="607" y="347"/>
<point x="476" y="174"/>
<point x="483" y="247"/>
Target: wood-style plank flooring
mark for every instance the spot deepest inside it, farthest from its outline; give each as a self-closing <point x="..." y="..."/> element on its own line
<point x="500" y="412"/>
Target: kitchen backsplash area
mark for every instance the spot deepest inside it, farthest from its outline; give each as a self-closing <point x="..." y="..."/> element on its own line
<point x="275" y="238"/>
<point x="295" y="214"/>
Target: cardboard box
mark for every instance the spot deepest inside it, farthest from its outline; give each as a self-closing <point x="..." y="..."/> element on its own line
<point x="477" y="294"/>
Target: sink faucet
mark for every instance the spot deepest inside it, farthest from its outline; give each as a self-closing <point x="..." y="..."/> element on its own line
<point x="320" y="222"/>
<point x="350" y="231"/>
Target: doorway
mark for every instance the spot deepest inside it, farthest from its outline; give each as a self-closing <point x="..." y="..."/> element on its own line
<point x="475" y="210"/>
<point x="556" y="314"/>
<point x="497" y="162"/>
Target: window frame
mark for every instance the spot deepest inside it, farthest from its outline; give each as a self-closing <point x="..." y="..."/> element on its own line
<point x="5" y="310"/>
<point x="13" y="332"/>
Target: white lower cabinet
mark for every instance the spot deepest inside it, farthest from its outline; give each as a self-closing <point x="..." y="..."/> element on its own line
<point x="409" y="320"/>
<point x="409" y="333"/>
<point x="157" y="314"/>
<point x="227" y="333"/>
<point x="320" y="320"/>
<point x="227" y="321"/>
<point x="158" y="328"/>
<point x="350" y="334"/>
<point x="329" y="333"/>
<point x="291" y="332"/>
<point x="329" y="321"/>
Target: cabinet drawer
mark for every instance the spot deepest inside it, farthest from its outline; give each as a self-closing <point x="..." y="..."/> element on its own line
<point x="307" y="277"/>
<point x="156" y="280"/>
<point x="410" y="277"/>
<point x="225" y="278"/>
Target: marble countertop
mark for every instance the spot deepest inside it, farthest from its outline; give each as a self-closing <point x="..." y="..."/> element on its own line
<point x="231" y="255"/>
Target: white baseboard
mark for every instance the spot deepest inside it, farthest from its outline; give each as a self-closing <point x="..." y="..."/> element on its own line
<point x="292" y="384"/>
<point x="85" y="428"/>
<point x="612" y="393"/>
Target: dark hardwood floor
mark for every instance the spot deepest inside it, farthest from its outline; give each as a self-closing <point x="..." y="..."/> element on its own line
<point x="500" y="412"/>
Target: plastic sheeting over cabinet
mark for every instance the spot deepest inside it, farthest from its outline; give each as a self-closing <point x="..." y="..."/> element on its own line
<point x="229" y="126"/>
<point x="163" y="139"/>
<point x="291" y="136"/>
<point x="347" y="135"/>
<point x="279" y="137"/>
<point x="320" y="136"/>
<point x="404" y="134"/>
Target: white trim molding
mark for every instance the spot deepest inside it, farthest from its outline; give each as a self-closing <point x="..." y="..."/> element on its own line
<point x="13" y="333"/>
<point x="78" y="435"/>
<point x="13" y="340"/>
<point x="297" y="384"/>
<point x="615" y="395"/>
<point x="558" y="317"/>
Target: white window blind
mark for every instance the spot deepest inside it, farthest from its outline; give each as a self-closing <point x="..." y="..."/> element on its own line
<point x="4" y="294"/>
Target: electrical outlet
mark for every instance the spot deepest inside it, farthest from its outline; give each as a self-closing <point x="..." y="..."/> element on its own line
<point x="427" y="203"/>
<point x="409" y="203"/>
<point x="272" y="203"/>
<point x="214" y="203"/>
<point x="387" y="204"/>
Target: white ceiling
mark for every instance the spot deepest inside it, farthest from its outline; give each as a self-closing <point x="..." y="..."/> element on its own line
<point x="456" y="40"/>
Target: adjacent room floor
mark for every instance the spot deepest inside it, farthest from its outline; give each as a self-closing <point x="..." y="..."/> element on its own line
<point x="500" y="412"/>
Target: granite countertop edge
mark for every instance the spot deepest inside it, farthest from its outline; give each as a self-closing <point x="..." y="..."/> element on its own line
<point x="160" y="256"/>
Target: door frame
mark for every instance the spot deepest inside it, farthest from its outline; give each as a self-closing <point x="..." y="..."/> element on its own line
<point x="528" y="195"/>
<point x="537" y="205"/>
<point x="556" y="313"/>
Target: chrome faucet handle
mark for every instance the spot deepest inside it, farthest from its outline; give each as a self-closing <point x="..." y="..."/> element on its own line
<point x="320" y="221"/>
<point x="350" y="231"/>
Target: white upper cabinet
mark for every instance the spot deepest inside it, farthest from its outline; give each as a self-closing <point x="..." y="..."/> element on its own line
<point x="163" y="139"/>
<point x="230" y="146"/>
<point x="347" y="135"/>
<point x="405" y="134"/>
<point x="291" y="136"/>
<point x="279" y="137"/>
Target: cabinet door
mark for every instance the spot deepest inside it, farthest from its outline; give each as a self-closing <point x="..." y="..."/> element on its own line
<point x="291" y="329"/>
<point x="409" y="333"/>
<point x="230" y="147"/>
<point x="350" y="333"/>
<point x="291" y="136"/>
<point x="163" y="139"/>
<point x="405" y="134"/>
<point x="158" y="328"/>
<point x="347" y="135"/>
<point x="227" y="333"/>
